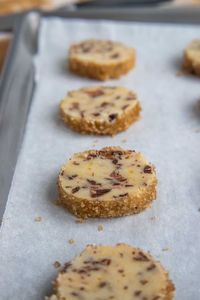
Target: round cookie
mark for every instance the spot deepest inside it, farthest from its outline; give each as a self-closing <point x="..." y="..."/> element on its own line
<point x="100" y="110"/>
<point x="101" y="59"/>
<point x="110" y="182"/>
<point x="113" y="272"/>
<point x="191" y="61"/>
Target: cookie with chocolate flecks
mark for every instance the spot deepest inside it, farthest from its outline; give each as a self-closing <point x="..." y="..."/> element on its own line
<point x="100" y="110"/>
<point x="101" y="59"/>
<point x="110" y="182"/>
<point x="191" y="61"/>
<point x="113" y="272"/>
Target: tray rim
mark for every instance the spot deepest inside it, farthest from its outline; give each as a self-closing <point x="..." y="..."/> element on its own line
<point x="173" y="15"/>
<point x="7" y="24"/>
<point x="10" y="83"/>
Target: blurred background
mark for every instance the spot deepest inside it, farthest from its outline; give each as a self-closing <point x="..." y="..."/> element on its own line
<point x="16" y="6"/>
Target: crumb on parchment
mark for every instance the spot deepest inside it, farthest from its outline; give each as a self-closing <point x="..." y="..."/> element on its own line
<point x="71" y="241"/>
<point x="153" y="218"/>
<point x="57" y="264"/>
<point x="124" y="140"/>
<point x="79" y="221"/>
<point x="38" y="219"/>
<point x="100" y="227"/>
<point x="165" y="249"/>
<point x="95" y="141"/>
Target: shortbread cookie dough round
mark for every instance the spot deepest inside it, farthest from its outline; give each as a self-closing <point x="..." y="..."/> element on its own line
<point x="100" y="110"/>
<point x="101" y="59"/>
<point x="113" y="272"/>
<point x="110" y="182"/>
<point x="191" y="61"/>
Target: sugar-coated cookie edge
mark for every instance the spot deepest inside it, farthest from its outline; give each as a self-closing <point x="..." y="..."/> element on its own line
<point x="84" y="208"/>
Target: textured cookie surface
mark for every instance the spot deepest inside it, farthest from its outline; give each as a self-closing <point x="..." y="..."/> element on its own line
<point x="101" y="59"/>
<point x="192" y="57"/>
<point x="100" y="110"/>
<point x="107" y="183"/>
<point x="120" y="272"/>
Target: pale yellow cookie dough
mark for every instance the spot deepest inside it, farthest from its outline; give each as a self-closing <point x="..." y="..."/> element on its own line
<point x="101" y="59"/>
<point x="113" y="272"/>
<point x="191" y="61"/>
<point x="110" y="182"/>
<point x="100" y="110"/>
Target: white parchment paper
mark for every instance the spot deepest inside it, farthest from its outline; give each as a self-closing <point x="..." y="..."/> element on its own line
<point x="167" y="134"/>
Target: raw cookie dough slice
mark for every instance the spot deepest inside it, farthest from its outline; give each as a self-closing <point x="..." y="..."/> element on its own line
<point x="101" y="59"/>
<point x="192" y="58"/>
<point x="100" y="110"/>
<point x="119" y="272"/>
<point x="110" y="182"/>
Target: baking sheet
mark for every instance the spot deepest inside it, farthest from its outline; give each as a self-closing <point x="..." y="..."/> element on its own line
<point x="168" y="134"/>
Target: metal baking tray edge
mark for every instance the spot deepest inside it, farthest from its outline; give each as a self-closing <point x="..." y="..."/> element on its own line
<point x="17" y="85"/>
<point x="162" y="14"/>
